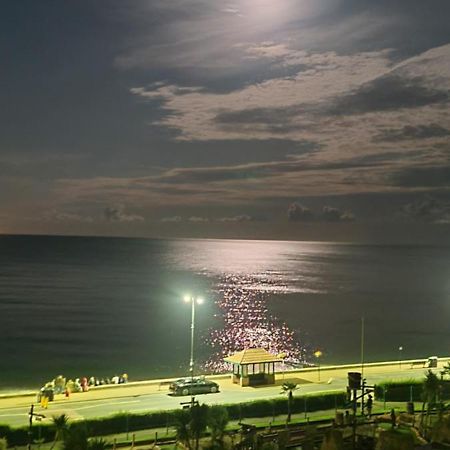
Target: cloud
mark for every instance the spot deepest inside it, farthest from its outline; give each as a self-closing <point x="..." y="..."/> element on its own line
<point x="172" y="219"/>
<point x="117" y="214"/>
<point x="198" y="219"/>
<point x="411" y="132"/>
<point x="238" y="218"/>
<point x="427" y="209"/>
<point x="61" y="216"/>
<point x="387" y="93"/>
<point x="299" y="213"/>
<point x="331" y="214"/>
<point x="438" y="176"/>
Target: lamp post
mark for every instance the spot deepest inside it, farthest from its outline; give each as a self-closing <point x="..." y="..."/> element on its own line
<point x="400" y="349"/>
<point x="318" y="354"/>
<point x="193" y="301"/>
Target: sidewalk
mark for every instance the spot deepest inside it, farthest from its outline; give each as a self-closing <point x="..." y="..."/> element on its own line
<point x="148" y="387"/>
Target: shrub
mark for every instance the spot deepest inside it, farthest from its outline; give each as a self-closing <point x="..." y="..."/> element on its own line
<point x="405" y="390"/>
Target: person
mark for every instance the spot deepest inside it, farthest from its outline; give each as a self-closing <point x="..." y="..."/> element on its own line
<point x="347" y="417"/>
<point x="369" y="405"/>
<point x="67" y="392"/>
<point x="84" y="384"/>
<point x="393" y="418"/>
<point x="349" y="394"/>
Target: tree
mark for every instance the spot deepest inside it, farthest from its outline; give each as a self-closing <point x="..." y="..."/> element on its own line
<point x="61" y="426"/>
<point x="289" y="388"/>
<point x="217" y="423"/>
<point x="430" y="392"/>
<point x="97" y="444"/>
<point x="182" y="427"/>
<point x="445" y="370"/>
<point x="199" y="421"/>
<point x="75" y="439"/>
<point x="190" y="424"/>
<point x="3" y="444"/>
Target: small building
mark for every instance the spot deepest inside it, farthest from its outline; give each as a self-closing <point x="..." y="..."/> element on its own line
<point x="253" y="366"/>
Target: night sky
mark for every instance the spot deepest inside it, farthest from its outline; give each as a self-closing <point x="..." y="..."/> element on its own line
<point x="274" y="119"/>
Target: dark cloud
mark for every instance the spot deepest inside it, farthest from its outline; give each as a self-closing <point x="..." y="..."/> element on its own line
<point x="412" y="132"/>
<point x="264" y="170"/>
<point x="427" y="209"/>
<point x="422" y="177"/>
<point x="387" y="93"/>
<point x="258" y="115"/>
<point x="117" y="214"/>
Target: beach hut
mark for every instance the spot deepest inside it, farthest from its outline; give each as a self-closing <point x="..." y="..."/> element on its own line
<point x="253" y="366"/>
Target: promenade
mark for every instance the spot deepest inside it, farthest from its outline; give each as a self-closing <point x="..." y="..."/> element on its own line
<point x="151" y="395"/>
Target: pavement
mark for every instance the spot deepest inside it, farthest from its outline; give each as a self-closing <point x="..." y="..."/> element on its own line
<point x="152" y="395"/>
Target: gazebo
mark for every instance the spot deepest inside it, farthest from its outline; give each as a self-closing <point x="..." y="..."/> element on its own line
<point x="253" y="366"/>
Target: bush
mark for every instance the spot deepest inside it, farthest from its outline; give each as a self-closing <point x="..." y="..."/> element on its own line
<point x="278" y="406"/>
<point x="405" y="390"/>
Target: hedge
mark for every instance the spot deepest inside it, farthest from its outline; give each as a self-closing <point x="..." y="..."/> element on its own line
<point x="123" y="422"/>
<point x="406" y="390"/>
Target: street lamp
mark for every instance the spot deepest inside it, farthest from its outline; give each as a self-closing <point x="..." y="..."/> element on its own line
<point x="400" y="349"/>
<point x="318" y="354"/>
<point x="193" y="301"/>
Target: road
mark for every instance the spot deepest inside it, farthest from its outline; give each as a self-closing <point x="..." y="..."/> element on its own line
<point x="153" y="395"/>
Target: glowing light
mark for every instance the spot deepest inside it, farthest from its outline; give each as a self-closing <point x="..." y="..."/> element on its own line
<point x="187" y="298"/>
<point x="200" y="300"/>
<point x="248" y="324"/>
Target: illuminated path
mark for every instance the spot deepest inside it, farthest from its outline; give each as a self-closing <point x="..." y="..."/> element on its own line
<point x="152" y="395"/>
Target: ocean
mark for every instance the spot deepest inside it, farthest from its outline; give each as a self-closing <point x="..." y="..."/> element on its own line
<point x="82" y="306"/>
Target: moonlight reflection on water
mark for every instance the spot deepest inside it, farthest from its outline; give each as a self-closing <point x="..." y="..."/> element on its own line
<point x="248" y="324"/>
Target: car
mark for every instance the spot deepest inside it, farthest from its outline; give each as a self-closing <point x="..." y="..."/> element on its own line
<point x="192" y="386"/>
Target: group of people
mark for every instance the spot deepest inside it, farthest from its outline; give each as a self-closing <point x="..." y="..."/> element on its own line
<point x="60" y="385"/>
<point x="116" y="379"/>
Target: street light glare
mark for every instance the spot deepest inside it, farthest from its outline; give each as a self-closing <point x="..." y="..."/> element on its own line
<point x="199" y="301"/>
<point x="187" y="298"/>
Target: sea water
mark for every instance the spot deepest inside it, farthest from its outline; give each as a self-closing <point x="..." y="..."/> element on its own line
<point x="82" y="306"/>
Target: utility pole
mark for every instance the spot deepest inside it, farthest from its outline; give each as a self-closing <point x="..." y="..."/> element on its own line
<point x="30" y="424"/>
<point x="362" y="347"/>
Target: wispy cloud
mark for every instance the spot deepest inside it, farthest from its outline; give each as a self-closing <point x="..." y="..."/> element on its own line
<point x="118" y="214"/>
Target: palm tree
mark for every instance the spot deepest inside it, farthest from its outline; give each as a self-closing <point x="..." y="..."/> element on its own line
<point x="75" y="439"/>
<point x="430" y="391"/>
<point x="288" y="388"/>
<point x="199" y="421"/>
<point x="217" y="423"/>
<point x="97" y="444"/>
<point x="182" y="427"/>
<point x="61" y="426"/>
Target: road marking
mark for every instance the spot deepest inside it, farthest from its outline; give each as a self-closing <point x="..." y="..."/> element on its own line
<point x="10" y="415"/>
<point x="103" y="404"/>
